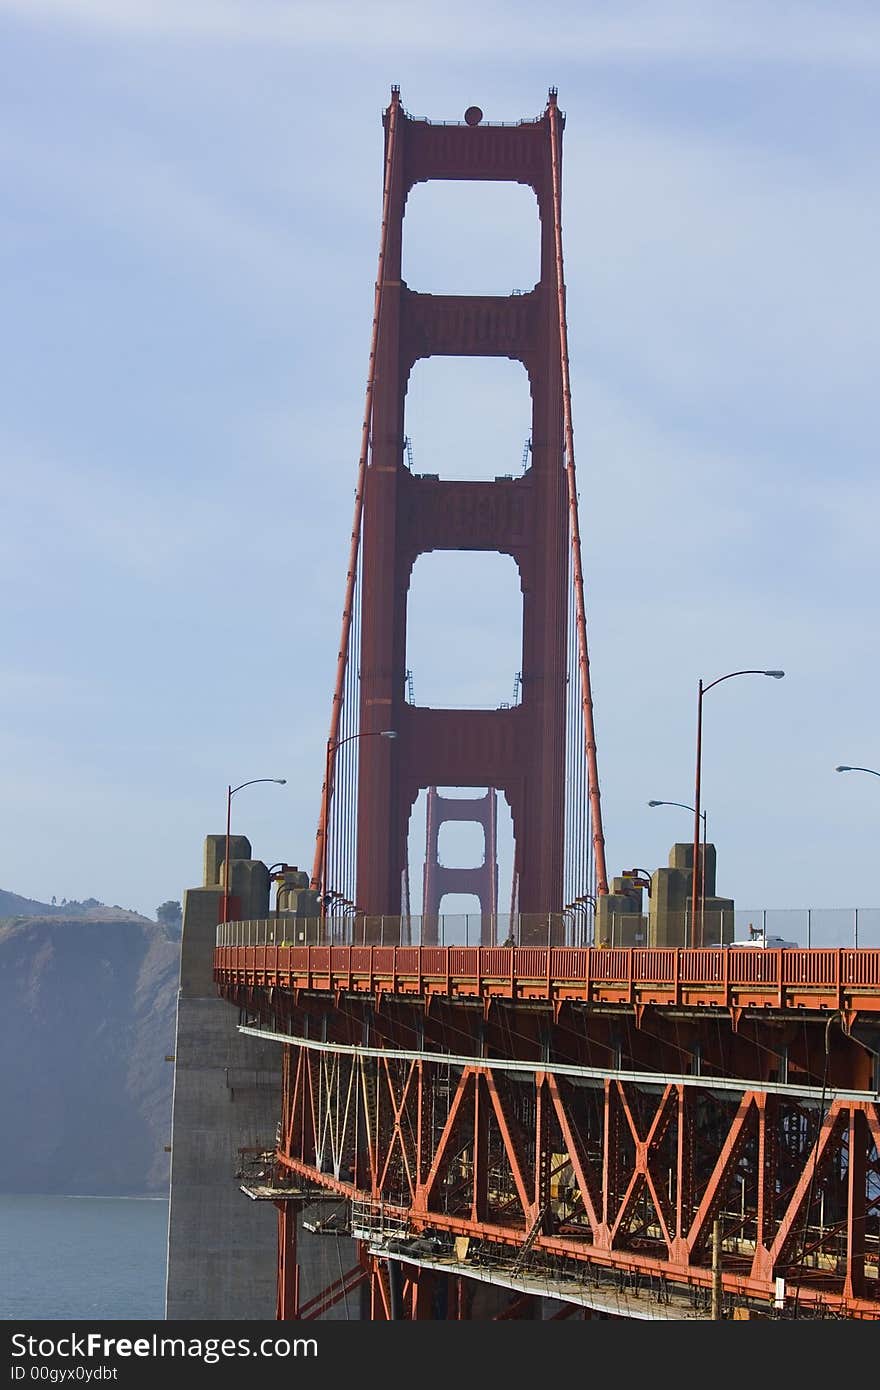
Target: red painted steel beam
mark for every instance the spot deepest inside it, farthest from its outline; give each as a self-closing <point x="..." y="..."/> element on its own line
<point x="843" y="979"/>
<point x="488" y="1175"/>
<point x="321" y="1303"/>
<point x="287" y="1284"/>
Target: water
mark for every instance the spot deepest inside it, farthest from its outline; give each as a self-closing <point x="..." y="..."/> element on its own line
<point x="80" y="1258"/>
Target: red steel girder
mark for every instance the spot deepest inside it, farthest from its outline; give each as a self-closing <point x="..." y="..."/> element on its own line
<point x="485" y="1151"/>
<point x="844" y="980"/>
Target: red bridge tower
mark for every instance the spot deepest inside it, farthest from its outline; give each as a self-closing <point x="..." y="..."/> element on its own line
<point x="532" y="518"/>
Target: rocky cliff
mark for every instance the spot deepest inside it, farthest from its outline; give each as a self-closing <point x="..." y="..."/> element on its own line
<point x="87" y="1015"/>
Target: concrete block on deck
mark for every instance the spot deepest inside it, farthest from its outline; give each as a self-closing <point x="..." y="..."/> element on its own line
<point x="619" y="919"/>
<point x="201" y="913"/>
<point x="215" y="855"/>
<point x="681" y="856"/>
<point x="249" y="886"/>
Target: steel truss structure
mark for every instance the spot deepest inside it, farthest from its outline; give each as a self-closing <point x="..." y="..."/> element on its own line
<point x="576" y="1154"/>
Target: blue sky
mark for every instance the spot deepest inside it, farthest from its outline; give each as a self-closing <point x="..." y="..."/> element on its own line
<point x="189" y="238"/>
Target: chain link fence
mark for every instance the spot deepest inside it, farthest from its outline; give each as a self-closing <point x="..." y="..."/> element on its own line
<point x="779" y="926"/>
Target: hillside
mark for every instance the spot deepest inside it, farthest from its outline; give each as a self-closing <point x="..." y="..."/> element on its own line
<point x="13" y="906"/>
<point x="87" y="1016"/>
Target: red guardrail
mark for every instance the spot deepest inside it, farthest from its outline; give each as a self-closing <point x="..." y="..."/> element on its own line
<point x="588" y="971"/>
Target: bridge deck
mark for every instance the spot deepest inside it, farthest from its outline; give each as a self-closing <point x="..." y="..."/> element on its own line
<point x="847" y="979"/>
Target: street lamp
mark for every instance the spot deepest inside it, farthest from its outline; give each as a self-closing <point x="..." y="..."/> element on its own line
<point x="585" y="903"/>
<point x="843" y="768"/>
<point x="685" y="807"/>
<point x="331" y="748"/>
<point x="230" y="793"/>
<point x="697" y="877"/>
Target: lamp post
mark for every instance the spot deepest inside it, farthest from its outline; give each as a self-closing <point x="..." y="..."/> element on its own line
<point x="685" y="807"/>
<point x="697" y="874"/>
<point x="230" y="793"/>
<point x="331" y="748"/>
<point x="843" y="768"/>
<point x="585" y="903"/>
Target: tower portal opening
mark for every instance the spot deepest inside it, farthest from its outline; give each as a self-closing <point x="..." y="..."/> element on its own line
<point x="468" y="418"/>
<point x="461" y="236"/>
<point x="464" y="630"/>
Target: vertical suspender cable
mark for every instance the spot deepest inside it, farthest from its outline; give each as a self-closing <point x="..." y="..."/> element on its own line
<point x="342" y="659"/>
<point x="584" y="850"/>
<point x="573" y="752"/>
<point x="350" y="717"/>
<point x="581" y="848"/>
<point x="586" y="695"/>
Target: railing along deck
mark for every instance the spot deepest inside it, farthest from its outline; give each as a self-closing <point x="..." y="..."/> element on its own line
<point x="839" y="978"/>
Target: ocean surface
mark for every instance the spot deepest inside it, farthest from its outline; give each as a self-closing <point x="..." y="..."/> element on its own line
<point x="72" y="1258"/>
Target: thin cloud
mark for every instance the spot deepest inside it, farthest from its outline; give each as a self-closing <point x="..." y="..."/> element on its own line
<point x="100" y="516"/>
<point x="29" y="689"/>
<point x="158" y="204"/>
<point x="790" y="33"/>
<point x="720" y="242"/>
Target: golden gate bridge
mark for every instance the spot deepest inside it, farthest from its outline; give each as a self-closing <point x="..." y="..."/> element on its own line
<point x="541" y="1110"/>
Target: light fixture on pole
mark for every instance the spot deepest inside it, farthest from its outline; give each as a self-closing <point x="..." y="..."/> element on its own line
<point x="331" y="748"/>
<point x="843" y="768"/>
<point x="685" y="807"/>
<point x="697" y="874"/>
<point x="230" y="793"/>
<point x="584" y="903"/>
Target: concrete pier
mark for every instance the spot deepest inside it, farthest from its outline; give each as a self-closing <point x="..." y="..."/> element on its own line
<point x="227" y="1098"/>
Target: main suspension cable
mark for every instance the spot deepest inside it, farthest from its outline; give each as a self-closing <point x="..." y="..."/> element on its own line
<point x="351" y="577"/>
<point x="584" y="663"/>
